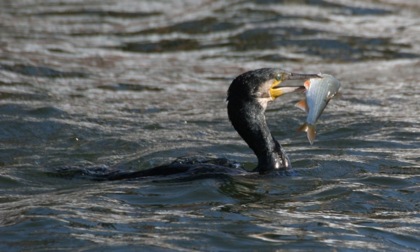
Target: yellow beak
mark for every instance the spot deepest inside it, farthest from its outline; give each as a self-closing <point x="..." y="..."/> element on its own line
<point x="276" y="90"/>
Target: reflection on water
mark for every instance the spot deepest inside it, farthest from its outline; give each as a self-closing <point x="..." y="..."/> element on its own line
<point x="134" y="84"/>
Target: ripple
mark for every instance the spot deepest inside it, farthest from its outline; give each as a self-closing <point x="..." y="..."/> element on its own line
<point x="39" y="71"/>
<point x="127" y="85"/>
<point x="130" y="87"/>
<point x="162" y="46"/>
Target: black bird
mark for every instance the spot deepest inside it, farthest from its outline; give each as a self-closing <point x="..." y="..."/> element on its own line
<point x="247" y="100"/>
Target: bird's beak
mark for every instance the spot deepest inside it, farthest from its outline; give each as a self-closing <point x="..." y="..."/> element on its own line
<point x="276" y="90"/>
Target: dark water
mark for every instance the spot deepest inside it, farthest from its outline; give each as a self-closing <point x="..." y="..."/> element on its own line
<point x="134" y="84"/>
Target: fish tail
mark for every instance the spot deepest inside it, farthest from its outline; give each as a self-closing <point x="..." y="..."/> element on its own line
<point x="310" y="131"/>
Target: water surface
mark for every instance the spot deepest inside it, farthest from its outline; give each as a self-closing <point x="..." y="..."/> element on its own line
<point x="134" y="84"/>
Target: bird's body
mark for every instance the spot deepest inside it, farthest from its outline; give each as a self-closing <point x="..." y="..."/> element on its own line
<point x="247" y="100"/>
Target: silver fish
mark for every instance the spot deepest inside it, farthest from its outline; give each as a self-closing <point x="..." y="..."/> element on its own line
<point x="319" y="91"/>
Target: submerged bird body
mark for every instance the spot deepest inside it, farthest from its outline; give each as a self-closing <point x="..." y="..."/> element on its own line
<point x="319" y="92"/>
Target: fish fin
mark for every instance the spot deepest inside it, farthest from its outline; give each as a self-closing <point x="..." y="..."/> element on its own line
<point x="338" y="96"/>
<point x="310" y="131"/>
<point x="303" y="127"/>
<point x="307" y="84"/>
<point x="302" y="105"/>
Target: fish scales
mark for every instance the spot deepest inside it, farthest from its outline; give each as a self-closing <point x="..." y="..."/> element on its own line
<point x="319" y="91"/>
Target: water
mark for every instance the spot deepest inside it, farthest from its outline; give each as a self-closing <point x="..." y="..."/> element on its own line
<point x="134" y="84"/>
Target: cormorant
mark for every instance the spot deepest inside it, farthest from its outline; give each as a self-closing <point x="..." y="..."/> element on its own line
<point x="247" y="100"/>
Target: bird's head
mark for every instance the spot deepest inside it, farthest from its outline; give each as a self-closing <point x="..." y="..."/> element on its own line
<point x="264" y="85"/>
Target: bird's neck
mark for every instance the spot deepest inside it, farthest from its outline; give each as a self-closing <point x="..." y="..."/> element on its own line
<point x="249" y="121"/>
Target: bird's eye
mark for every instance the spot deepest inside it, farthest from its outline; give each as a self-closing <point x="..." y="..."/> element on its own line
<point x="278" y="77"/>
